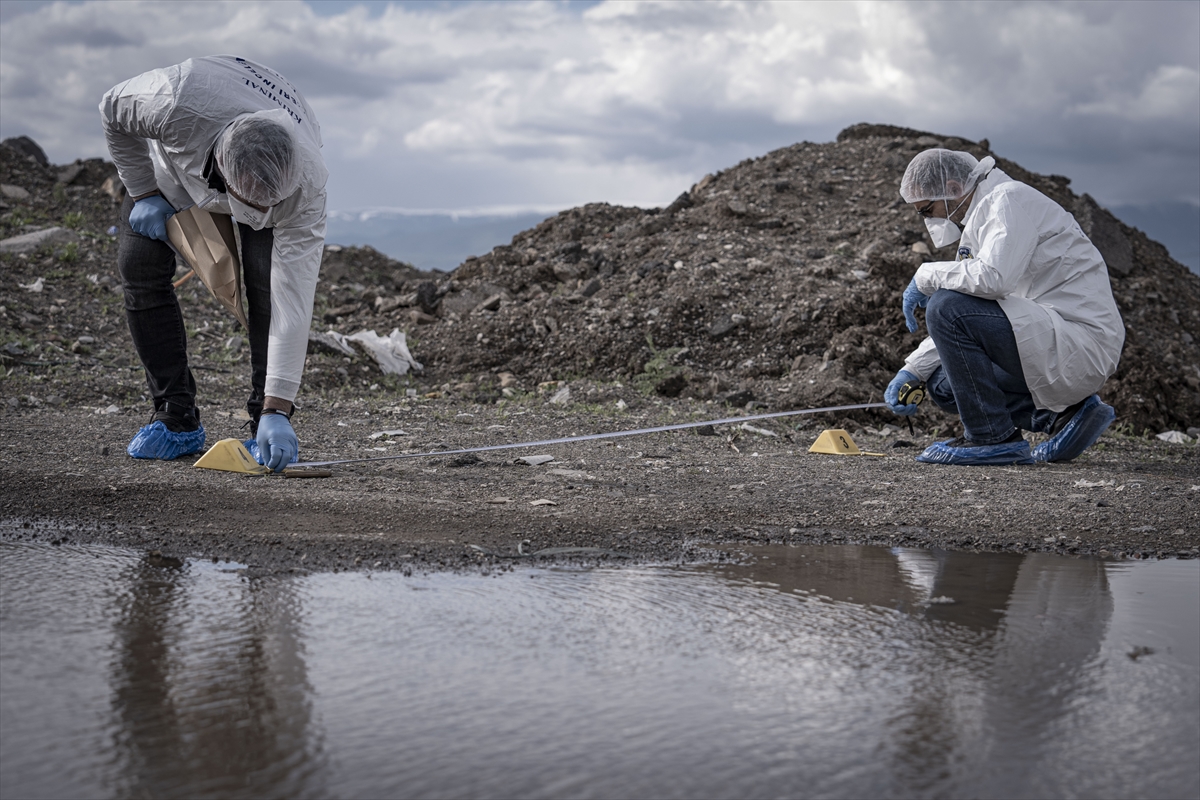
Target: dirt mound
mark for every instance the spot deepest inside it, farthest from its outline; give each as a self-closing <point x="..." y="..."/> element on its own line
<point x="775" y="283"/>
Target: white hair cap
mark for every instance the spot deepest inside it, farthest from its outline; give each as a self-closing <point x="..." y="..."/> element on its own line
<point x="258" y="156"/>
<point x="942" y="175"/>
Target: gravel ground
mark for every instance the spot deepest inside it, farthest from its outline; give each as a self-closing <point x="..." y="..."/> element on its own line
<point x="666" y="497"/>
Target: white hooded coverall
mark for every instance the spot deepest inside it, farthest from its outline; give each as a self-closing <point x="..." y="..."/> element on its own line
<point x="161" y="127"/>
<point x="1030" y="256"/>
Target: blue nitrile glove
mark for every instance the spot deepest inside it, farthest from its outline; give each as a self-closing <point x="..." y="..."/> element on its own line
<point x="892" y="395"/>
<point x="277" y="441"/>
<point x="149" y="217"/>
<point x="913" y="299"/>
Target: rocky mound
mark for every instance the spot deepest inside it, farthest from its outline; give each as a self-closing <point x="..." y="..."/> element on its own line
<point x="775" y="283"/>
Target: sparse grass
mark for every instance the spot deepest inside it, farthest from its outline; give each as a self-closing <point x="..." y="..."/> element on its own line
<point x="73" y="219"/>
<point x="70" y="253"/>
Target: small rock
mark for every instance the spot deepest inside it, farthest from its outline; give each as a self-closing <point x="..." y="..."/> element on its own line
<point x="542" y="502"/>
<point x="507" y="380"/>
<point x="535" y="461"/>
<point x="562" y="396"/>
<point x="591" y="287"/>
<point x="739" y="398"/>
<point x="70" y="172"/>
<point x="13" y="192"/>
<point x="706" y="430"/>
<point x="234" y="343"/>
<point x="29" y="242"/>
<point x="1193" y="432"/>
<point x="737" y="207"/>
<point x="921" y="248"/>
<point x="102" y="450"/>
<point x="113" y="409"/>
<point x="13" y="349"/>
<point x="490" y="304"/>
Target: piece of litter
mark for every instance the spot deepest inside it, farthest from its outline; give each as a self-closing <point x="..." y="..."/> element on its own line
<point x="381" y="434"/>
<point x="1173" y="437"/>
<point x="746" y="426"/>
<point x="1083" y="483"/>
<point x="499" y="501"/>
<point x="36" y="286"/>
<point x="112" y="410"/>
<point x="534" y="461"/>
<point x="941" y="601"/>
<point x="578" y="474"/>
<point x="543" y="502"/>
<point x="562" y="396"/>
<point x="622" y="405"/>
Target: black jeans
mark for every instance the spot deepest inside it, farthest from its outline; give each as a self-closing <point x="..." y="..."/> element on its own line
<point x="147" y="268"/>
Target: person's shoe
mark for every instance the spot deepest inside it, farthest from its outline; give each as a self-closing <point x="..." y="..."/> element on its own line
<point x="1077" y="432"/>
<point x="172" y="432"/>
<point x="964" y="452"/>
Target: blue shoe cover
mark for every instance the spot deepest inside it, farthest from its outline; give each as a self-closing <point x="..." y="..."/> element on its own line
<point x="251" y="446"/>
<point x="1079" y="434"/>
<point x="157" y="441"/>
<point x="979" y="456"/>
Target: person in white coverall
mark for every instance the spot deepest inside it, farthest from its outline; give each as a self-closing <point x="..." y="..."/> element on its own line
<point x="1023" y="328"/>
<point x="236" y="138"/>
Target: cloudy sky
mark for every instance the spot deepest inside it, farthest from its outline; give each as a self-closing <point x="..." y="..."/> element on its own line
<point x="545" y="105"/>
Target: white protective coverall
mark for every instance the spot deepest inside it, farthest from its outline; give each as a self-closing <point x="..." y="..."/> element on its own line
<point x="161" y="127"/>
<point x="1030" y="255"/>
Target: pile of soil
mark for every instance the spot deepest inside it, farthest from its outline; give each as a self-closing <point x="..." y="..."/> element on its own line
<point x="773" y="284"/>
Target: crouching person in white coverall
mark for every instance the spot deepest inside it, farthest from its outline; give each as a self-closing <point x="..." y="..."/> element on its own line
<point x="233" y="137"/>
<point x="1023" y="329"/>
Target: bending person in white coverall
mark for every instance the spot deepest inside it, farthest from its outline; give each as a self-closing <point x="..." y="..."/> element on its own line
<point x="1023" y="328"/>
<point x="233" y="137"/>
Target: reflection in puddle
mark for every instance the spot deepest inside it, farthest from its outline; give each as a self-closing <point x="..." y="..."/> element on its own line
<point x="834" y="671"/>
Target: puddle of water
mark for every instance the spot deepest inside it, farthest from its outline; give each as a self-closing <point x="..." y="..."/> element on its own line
<point x="821" y="671"/>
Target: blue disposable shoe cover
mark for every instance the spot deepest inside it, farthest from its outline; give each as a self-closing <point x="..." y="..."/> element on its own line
<point x="1079" y="434"/>
<point x="157" y="441"/>
<point x="251" y="446"/>
<point x="979" y="456"/>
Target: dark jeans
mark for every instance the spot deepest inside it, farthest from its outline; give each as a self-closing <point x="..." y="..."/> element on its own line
<point x="147" y="268"/>
<point x="980" y="379"/>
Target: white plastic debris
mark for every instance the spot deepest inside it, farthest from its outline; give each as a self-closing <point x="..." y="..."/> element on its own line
<point x="381" y="434"/>
<point x="36" y="286"/>
<point x="1174" y="437"/>
<point x="562" y="396"/>
<point x="542" y="502"/>
<point x="390" y="352"/>
<point x="746" y="426"/>
<point x="1084" y="483"/>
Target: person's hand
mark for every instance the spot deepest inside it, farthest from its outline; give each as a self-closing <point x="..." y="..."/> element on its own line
<point x="149" y="217"/>
<point x="892" y="395"/>
<point x="277" y="441"/>
<point x="913" y="299"/>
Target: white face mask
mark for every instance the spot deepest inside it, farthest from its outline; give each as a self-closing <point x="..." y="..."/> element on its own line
<point x="246" y="215"/>
<point x="942" y="231"/>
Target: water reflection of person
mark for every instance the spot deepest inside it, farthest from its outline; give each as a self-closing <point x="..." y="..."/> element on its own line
<point x="1022" y="628"/>
<point x="209" y="701"/>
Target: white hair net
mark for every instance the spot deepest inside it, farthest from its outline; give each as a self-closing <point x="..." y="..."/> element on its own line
<point x="257" y="155"/>
<point x="942" y="175"/>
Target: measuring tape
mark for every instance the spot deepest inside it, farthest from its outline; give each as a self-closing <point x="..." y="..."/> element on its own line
<point x="590" y="437"/>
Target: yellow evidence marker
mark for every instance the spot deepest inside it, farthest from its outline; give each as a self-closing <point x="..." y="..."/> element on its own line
<point x="231" y="455"/>
<point x="837" y="442"/>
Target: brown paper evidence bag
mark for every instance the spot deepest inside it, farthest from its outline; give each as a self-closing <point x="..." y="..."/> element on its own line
<point x="206" y="242"/>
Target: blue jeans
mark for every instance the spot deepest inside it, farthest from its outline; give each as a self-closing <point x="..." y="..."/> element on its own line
<point x="147" y="267"/>
<point x="980" y="379"/>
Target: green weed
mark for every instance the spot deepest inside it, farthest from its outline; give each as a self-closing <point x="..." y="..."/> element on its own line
<point x="73" y="219"/>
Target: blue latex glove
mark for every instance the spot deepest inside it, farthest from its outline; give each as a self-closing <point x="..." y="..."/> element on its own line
<point x="277" y="441"/>
<point x="913" y="299"/>
<point x="149" y="217"/>
<point x="892" y="395"/>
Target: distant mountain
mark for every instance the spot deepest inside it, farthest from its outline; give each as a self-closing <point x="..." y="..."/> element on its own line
<point x="429" y="239"/>
<point x="442" y="240"/>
